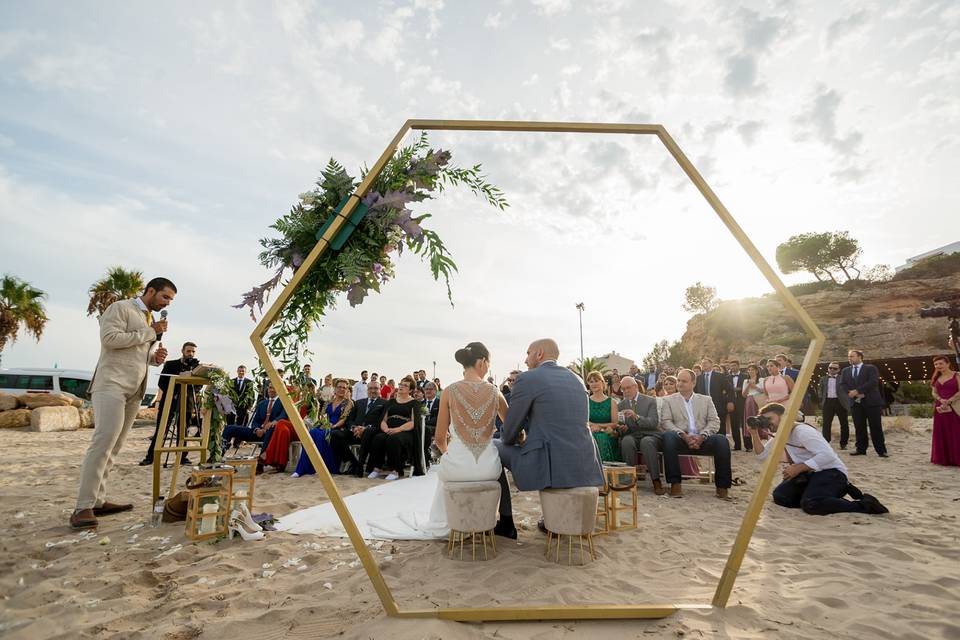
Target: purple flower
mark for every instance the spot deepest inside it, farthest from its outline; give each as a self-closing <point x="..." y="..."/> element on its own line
<point x="377" y="267"/>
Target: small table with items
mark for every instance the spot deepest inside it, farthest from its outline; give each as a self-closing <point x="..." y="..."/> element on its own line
<point x="619" y="479"/>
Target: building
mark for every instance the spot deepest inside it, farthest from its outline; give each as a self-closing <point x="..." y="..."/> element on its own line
<point x="614" y="360"/>
<point x="942" y="251"/>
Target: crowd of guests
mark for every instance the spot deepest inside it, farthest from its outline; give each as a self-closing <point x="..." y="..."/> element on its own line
<point x="372" y="427"/>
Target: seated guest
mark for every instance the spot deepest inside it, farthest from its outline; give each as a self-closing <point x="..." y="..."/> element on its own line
<point x="268" y="412"/>
<point x="603" y="418"/>
<point x="326" y="391"/>
<point x="363" y="423"/>
<point x="431" y="409"/>
<point x="418" y="395"/>
<point x="386" y="387"/>
<point x="337" y="412"/>
<point x="815" y="479"/>
<point x="276" y="445"/>
<point x="690" y="424"/>
<point x="640" y="430"/>
<point x="395" y="443"/>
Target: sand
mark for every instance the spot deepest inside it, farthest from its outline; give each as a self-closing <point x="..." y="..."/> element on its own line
<point x="842" y="576"/>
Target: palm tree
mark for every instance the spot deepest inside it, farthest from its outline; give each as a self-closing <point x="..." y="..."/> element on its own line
<point x="119" y="284"/>
<point x="586" y="365"/>
<point x="20" y="304"/>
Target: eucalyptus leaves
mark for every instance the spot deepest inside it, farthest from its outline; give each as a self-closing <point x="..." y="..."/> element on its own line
<point x="414" y="174"/>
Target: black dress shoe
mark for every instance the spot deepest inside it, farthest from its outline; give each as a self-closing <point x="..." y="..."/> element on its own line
<point x="858" y="453"/>
<point x="146" y="462"/>
<point x="505" y="528"/>
<point x="541" y="526"/>
<point x="844" y="447"/>
<point x="736" y="448"/>
<point x="883" y="455"/>
<point x="873" y="505"/>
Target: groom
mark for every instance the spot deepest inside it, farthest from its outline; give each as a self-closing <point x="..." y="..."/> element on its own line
<point x="550" y="403"/>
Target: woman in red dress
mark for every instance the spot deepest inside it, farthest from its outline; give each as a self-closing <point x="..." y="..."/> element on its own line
<point x="946" y="414"/>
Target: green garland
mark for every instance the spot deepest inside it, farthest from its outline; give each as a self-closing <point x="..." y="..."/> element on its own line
<point x="365" y="262"/>
<point x="219" y="397"/>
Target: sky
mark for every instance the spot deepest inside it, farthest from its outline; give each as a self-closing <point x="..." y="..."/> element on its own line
<point x="167" y="137"/>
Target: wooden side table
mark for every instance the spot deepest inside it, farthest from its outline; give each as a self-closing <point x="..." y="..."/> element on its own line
<point x="621" y="480"/>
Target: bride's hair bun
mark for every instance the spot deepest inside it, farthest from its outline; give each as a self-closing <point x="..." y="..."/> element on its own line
<point x="469" y="355"/>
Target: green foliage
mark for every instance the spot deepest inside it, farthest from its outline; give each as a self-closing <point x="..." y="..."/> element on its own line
<point x="699" y="298"/>
<point x="658" y="356"/>
<point x="820" y="254"/>
<point x="921" y="410"/>
<point x="588" y="364"/>
<point x="118" y="284"/>
<point x="932" y="267"/>
<point x="807" y="288"/>
<point x="21" y="307"/>
<point x="366" y="262"/>
<point x="680" y="356"/>
<point x="914" y="392"/>
<point x="735" y="322"/>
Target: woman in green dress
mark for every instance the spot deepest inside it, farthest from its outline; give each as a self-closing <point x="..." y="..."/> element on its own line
<point x="603" y="418"/>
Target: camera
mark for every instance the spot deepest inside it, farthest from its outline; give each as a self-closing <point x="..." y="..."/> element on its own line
<point x="759" y="422"/>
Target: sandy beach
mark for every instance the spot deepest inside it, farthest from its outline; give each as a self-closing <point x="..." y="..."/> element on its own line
<point x="842" y="576"/>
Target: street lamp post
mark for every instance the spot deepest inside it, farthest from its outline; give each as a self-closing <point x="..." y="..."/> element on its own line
<point x="434" y="368"/>
<point x="580" y="308"/>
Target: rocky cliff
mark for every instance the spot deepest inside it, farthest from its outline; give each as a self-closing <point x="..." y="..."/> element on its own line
<point x="882" y="319"/>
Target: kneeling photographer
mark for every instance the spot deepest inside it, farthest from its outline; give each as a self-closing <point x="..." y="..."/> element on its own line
<point x="815" y="479"/>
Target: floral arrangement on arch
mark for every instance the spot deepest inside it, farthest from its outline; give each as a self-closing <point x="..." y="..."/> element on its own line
<point x="365" y="262"/>
<point x="220" y="399"/>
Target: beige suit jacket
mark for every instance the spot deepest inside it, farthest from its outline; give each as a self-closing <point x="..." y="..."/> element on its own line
<point x="673" y="416"/>
<point x="126" y="350"/>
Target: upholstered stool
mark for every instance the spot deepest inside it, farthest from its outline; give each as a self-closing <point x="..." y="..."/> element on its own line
<point x="569" y="512"/>
<point x="471" y="510"/>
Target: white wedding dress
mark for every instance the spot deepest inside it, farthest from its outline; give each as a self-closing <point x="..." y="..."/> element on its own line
<point x="397" y="510"/>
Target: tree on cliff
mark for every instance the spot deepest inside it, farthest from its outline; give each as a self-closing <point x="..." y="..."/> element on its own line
<point x="658" y="356"/>
<point x="821" y="254"/>
<point x="699" y="298"/>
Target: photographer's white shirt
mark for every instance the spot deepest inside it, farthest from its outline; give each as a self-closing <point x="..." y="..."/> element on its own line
<point x="807" y="446"/>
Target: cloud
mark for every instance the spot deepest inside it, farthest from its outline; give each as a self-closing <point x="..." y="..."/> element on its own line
<point x="493" y="20"/>
<point x="844" y="27"/>
<point x="571" y="70"/>
<point x="818" y="121"/>
<point x="757" y="34"/>
<point x="559" y="44"/>
<point x="748" y="131"/>
<point x="551" y="7"/>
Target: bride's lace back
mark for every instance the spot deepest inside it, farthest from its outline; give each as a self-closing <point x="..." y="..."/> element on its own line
<point x="473" y="411"/>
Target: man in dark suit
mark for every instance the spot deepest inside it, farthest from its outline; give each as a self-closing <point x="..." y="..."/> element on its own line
<point x="834" y="403"/>
<point x="431" y="409"/>
<point x="736" y="416"/>
<point x="860" y="382"/>
<point x="241" y="386"/>
<point x="362" y="424"/>
<point x="786" y="366"/>
<point x="265" y="416"/>
<point x="186" y="362"/>
<point x="717" y="386"/>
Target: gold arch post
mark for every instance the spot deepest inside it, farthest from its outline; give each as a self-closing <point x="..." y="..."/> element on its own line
<point x="566" y="612"/>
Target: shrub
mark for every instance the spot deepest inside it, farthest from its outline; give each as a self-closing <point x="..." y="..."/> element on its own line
<point x="921" y="411"/>
<point x="914" y="392"/>
<point x="806" y="288"/>
<point x="932" y="267"/>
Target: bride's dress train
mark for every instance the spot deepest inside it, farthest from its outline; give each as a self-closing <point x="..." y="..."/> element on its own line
<point x="397" y="510"/>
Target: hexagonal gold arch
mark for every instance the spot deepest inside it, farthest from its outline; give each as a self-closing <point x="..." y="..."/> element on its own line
<point x="565" y="612"/>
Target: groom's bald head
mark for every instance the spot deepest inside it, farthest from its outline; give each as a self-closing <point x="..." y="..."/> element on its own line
<point x="540" y="350"/>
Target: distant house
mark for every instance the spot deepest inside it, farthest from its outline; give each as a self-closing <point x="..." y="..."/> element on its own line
<point x="614" y="360"/>
<point x="942" y="251"/>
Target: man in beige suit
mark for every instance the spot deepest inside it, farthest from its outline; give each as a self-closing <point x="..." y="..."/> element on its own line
<point x="128" y="344"/>
<point x="690" y="424"/>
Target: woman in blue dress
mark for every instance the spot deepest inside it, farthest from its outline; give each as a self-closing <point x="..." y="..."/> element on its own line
<point x="337" y="411"/>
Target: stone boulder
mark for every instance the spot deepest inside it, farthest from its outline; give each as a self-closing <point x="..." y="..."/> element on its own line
<point x="8" y="402"/>
<point x="15" y="418"/>
<point x="148" y="413"/>
<point x="54" y="419"/>
<point x="86" y="418"/>
<point x="34" y="400"/>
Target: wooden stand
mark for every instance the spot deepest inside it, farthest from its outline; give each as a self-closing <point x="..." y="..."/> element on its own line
<point x="185" y="443"/>
<point x="620" y="480"/>
<point x="243" y="480"/>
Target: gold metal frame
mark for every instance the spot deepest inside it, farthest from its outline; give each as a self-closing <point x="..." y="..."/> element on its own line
<point x="565" y="612"/>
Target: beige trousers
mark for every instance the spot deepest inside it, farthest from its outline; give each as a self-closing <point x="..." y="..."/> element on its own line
<point x="114" y="414"/>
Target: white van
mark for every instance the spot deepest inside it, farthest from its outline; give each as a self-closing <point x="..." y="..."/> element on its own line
<point x="19" y="381"/>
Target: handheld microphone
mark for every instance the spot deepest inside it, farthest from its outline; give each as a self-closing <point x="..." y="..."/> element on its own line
<point x="163" y="316"/>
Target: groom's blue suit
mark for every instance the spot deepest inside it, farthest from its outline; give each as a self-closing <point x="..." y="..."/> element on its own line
<point x="550" y="402"/>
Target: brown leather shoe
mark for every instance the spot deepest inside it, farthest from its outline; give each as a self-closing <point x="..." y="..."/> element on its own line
<point x="108" y="508"/>
<point x="658" y="488"/>
<point x="676" y="490"/>
<point x="723" y="494"/>
<point x="83" y="519"/>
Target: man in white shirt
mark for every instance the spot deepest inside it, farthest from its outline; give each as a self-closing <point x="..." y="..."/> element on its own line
<point x="360" y="388"/>
<point x="690" y="426"/>
<point x="815" y="480"/>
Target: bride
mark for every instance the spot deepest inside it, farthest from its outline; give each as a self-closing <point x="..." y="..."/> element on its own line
<point x="464" y="434"/>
